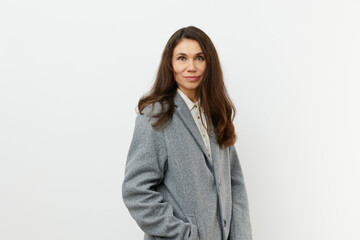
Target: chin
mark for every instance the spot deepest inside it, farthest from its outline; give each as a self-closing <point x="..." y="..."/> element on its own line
<point x="193" y="85"/>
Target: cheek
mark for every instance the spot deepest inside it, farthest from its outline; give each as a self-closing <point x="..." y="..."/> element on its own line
<point x="176" y="72"/>
<point x="178" y="68"/>
<point x="202" y="68"/>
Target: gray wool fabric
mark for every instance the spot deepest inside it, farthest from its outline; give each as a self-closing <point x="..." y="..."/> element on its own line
<point x="173" y="191"/>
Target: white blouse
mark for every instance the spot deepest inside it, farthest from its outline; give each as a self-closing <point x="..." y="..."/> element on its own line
<point x="194" y="109"/>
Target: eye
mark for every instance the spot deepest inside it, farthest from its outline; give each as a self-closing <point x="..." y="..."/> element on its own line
<point x="182" y="58"/>
<point x="200" y="58"/>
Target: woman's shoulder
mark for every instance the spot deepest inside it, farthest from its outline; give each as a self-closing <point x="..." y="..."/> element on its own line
<point x="152" y="108"/>
<point x="152" y="111"/>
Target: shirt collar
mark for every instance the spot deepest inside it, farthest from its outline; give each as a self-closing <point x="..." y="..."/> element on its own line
<point x="187" y="100"/>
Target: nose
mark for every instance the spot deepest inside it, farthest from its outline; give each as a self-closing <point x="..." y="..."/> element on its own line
<point x="191" y="66"/>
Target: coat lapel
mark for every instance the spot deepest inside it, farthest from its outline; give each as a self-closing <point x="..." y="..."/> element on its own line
<point x="183" y="112"/>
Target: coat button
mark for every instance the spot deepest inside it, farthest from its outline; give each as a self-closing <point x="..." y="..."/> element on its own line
<point x="224" y="223"/>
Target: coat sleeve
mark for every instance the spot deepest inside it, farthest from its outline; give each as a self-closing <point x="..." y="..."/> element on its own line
<point x="240" y="227"/>
<point x="145" y="169"/>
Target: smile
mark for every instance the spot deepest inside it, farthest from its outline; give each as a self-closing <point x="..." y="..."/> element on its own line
<point x="191" y="78"/>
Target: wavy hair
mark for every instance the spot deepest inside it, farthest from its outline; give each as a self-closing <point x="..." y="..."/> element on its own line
<point x="211" y="92"/>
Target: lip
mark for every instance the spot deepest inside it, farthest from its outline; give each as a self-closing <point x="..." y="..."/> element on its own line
<point x="191" y="78"/>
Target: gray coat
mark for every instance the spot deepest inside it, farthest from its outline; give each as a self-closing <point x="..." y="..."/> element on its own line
<point x="174" y="191"/>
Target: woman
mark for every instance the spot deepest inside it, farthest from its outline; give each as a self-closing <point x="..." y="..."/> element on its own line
<point x="183" y="178"/>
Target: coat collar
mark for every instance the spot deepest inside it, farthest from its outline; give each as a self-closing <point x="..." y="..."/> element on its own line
<point x="187" y="100"/>
<point x="182" y="110"/>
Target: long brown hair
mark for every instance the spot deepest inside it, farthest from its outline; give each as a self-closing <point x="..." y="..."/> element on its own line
<point x="211" y="92"/>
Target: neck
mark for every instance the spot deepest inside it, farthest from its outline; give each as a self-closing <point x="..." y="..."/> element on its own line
<point x="193" y="99"/>
<point x="191" y="94"/>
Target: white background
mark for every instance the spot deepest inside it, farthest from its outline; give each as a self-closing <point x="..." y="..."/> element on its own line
<point x="72" y="71"/>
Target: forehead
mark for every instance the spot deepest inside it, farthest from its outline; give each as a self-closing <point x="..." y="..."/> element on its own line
<point x="187" y="46"/>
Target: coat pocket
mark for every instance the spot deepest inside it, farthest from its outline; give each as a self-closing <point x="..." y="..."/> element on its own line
<point x="192" y="219"/>
<point x="194" y="228"/>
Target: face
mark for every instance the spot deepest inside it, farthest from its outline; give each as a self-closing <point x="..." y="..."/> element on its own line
<point x="189" y="65"/>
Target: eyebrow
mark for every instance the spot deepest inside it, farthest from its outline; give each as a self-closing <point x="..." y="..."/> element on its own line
<point x="199" y="53"/>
